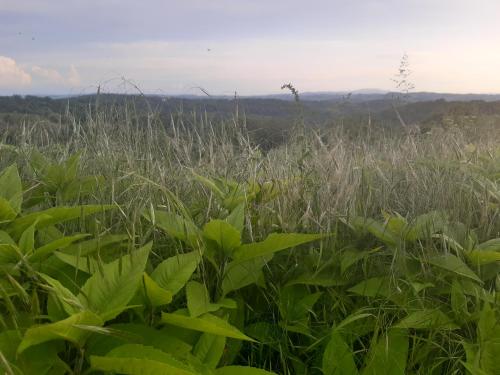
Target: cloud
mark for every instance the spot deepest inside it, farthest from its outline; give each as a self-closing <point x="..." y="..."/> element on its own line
<point x="12" y="75"/>
<point x="74" y="77"/>
<point x="55" y="78"/>
<point x="51" y="75"/>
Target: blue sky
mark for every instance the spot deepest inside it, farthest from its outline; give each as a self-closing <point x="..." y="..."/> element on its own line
<point x="249" y="46"/>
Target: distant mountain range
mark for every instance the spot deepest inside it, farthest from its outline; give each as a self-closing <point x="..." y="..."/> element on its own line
<point x="356" y="96"/>
<point x="275" y="112"/>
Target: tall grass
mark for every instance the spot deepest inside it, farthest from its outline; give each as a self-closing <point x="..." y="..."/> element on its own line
<point x="325" y="174"/>
<point x="345" y="184"/>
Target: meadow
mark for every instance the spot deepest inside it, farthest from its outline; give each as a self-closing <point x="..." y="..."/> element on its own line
<point x="131" y="245"/>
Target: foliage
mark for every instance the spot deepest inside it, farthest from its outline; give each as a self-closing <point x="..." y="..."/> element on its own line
<point x="201" y="271"/>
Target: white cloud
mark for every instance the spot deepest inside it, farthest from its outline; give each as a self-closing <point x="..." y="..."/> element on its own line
<point x="74" y="77"/>
<point x="12" y="75"/>
<point x="53" y="77"/>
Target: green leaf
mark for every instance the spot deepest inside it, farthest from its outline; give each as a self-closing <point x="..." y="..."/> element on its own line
<point x="7" y="213"/>
<point x="211" y="185"/>
<point x="338" y="358"/>
<point x="209" y="349"/>
<point x="491" y="245"/>
<point x="458" y="301"/>
<point x="173" y="273"/>
<point x="130" y="333"/>
<point x="156" y="295"/>
<point x="86" y="264"/>
<point x="53" y="216"/>
<point x="352" y="256"/>
<point x="66" y="329"/>
<point x="27" y="240"/>
<point x="198" y="300"/>
<point x="176" y="226"/>
<point x="108" y="291"/>
<point x="241" y="370"/>
<point x="454" y="264"/>
<point x="296" y="302"/>
<point x="46" y="250"/>
<point x="134" y="359"/>
<point x="237" y="217"/>
<point x="389" y="354"/>
<point x="273" y="243"/>
<point x="224" y="234"/>
<point x="88" y="247"/>
<point x="240" y="274"/>
<point x="206" y="323"/>
<point x="376" y="286"/>
<point x="11" y="189"/>
<point x="43" y="360"/>
<point x="483" y="257"/>
<point x="380" y="231"/>
<point x="427" y="319"/>
<point x="424" y="226"/>
<point x="70" y="303"/>
<point x="488" y="328"/>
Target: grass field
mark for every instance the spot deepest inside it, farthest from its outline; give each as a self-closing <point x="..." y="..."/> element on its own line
<point x="134" y="246"/>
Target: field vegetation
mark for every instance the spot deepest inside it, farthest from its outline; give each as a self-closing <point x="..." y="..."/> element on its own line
<point x="134" y="245"/>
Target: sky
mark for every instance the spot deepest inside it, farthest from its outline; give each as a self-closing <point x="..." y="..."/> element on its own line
<point x="51" y="47"/>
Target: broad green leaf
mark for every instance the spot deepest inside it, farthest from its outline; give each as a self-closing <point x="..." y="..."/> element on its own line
<point x="454" y="264"/>
<point x="237" y="217"/>
<point x="376" y="286"/>
<point x="155" y="294"/>
<point x="241" y="370"/>
<point x="70" y="303"/>
<point x="485" y="253"/>
<point x="482" y="257"/>
<point x="488" y="328"/>
<point x="491" y="245"/>
<point x="176" y="226"/>
<point x="53" y="216"/>
<point x="44" y="251"/>
<point x="240" y="274"/>
<point x="427" y="319"/>
<point x="7" y="213"/>
<point x="380" y="231"/>
<point x="296" y="302"/>
<point x="273" y="243"/>
<point x="173" y="273"/>
<point x="27" y="240"/>
<point x="389" y="355"/>
<point x="134" y="359"/>
<point x="198" y="300"/>
<point x="86" y="264"/>
<point x="67" y="329"/>
<point x="424" y="226"/>
<point x="43" y="360"/>
<point x="352" y="256"/>
<point x="395" y="223"/>
<point x="88" y="247"/>
<point x="209" y="349"/>
<point x="11" y="188"/>
<point x="338" y="358"/>
<point x="351" y="319"/>
<point x="9" y="256"/>
<point x="458" y="301"/>
<point x="211" y="185"/>
<point x="130" y="333"/>
<point x="206" y="323"/>
<point x="224" y="234"/>
<point x="108" y="291"/>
